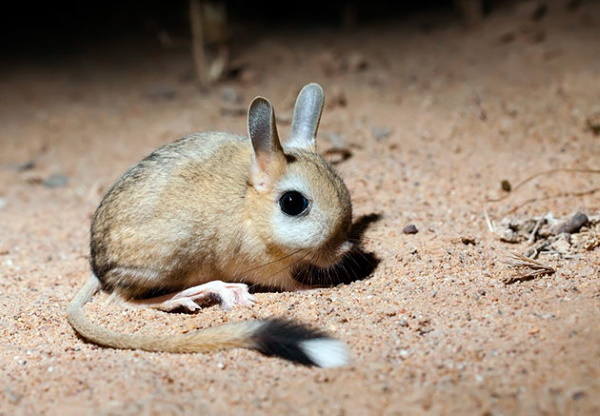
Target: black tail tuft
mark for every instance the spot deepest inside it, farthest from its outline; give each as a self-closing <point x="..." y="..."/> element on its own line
<point x="289" y="340"/>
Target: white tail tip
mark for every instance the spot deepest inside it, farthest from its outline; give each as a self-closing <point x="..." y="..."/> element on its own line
<point x="326" y="352"/>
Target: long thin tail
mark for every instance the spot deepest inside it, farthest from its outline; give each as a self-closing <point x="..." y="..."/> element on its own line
<point x="279" y="337"/>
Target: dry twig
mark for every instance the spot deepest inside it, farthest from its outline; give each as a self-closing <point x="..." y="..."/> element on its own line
<point x="531" y="239"/>
<point x="547" y="172"/>
<point x="532" y="268"/>
<point x="489" y="223"/>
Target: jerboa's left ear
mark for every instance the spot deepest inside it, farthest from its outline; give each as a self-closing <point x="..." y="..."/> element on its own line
<point x="268" y="157"/>
<point x="307" y="115"/>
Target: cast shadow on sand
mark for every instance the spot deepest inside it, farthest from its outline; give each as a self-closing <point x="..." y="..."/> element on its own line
<point x="355" y="265"/>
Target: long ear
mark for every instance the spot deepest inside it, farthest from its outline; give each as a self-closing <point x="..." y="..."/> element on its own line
<point x="268" y="157"/>
<point x="307" y="114"/>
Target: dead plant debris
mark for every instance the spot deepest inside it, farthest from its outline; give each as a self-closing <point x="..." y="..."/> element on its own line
<point x="528" y="268"/>
<point x="565" y="237"/>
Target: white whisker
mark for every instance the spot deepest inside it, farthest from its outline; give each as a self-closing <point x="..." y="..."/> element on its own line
<point x="271" y="262"/>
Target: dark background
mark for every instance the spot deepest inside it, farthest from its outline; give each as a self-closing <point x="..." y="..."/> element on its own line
<point x="65" y="27"/>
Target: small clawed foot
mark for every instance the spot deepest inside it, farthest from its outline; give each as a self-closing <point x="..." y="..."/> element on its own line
<point x="227" y="295"/>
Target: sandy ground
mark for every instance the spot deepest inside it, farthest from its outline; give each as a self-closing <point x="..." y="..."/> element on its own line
<point x="435" y="117"/>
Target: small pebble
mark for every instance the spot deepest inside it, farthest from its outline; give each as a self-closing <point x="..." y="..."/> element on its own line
<point x="55" y="181"/>
<point x="574" y="224"/>
<point x="468" y="241"/>
<point x="337" y="140"/>
<point x="410" y="229"/>
<point x="230" y="94"/>
<point x="381" y="133"/>
<point x="593" y="123"/>
<point x="505" y="185"/>
<point x="30" y="164"/>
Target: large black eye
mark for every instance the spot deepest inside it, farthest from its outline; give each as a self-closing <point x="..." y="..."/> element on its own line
<point x="293" y="203"/>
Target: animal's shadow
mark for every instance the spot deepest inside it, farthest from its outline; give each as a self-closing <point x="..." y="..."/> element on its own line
<point x="356" y="265"/>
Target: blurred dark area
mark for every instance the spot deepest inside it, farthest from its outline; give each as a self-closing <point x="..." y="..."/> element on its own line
<point x="59" y="28"/>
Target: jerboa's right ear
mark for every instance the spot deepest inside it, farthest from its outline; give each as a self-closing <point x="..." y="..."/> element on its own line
<point x="307" y="114"/>
<point x="268" y="159"/>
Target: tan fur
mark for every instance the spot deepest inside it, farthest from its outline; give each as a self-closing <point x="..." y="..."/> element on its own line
<point x="235" y="335"/>
<point x="202" y="209"/>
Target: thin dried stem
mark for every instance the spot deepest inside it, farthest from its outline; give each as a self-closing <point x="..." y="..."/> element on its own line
<point x="529" y="268"/>
<point x="547" y="172"/>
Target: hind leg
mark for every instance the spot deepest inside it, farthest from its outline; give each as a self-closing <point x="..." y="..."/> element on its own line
<point x="226" y="294"/>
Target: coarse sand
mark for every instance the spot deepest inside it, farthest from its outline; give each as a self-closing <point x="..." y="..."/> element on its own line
<point x="424" y="122"/>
